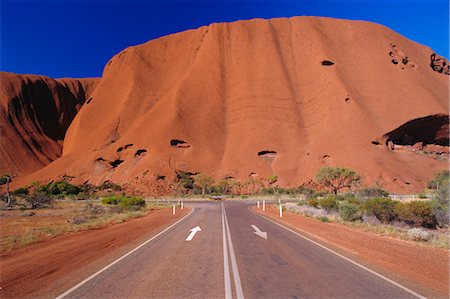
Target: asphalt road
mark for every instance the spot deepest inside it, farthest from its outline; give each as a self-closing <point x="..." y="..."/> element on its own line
<point x="226" y="259"/>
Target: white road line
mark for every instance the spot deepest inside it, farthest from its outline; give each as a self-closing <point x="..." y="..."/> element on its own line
<point x="237" y="279"/>
<point x="226" y="269"/>
<point x="121" y="258"/>
<point x="345" y="258"/>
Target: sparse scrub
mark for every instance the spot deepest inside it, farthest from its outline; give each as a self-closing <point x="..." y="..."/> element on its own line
<point x="130" y="203"/>
<point x="349" y="211"/>
<point x="109" y="185"/>
<point x="417" y="234"/>
<point x="372" y="192"/>
<point x="313" y="202"/>
<point x="38" y="201"/>
<point x="329" y="203"/>
<point x="416" y="213"/>
<point x="21" y="191"/>
<point x="381" y="208"/>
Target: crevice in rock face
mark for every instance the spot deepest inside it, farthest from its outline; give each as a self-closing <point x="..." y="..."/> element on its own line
<point x="116" y="163"/>
<point x="160" y="177"/>
<point x="100" y="159"/>
<point x="140" y="152"/>
<point x="267" y="153"/>
<point x="327" y="63"/>
<point x="179" y="143"/>
<point x="439" y="64"/>
<point x="432" y="129"/>
<point x="128" y="145"/>
<point x="426" y="136"/>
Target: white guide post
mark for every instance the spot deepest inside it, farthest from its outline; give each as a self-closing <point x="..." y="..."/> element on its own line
<point x="182" y="205"/>
<point x="257" y="203"/>
<point x="281" y="211"/>
<point x="264" y="205"/>
<point x="173" y="209"/>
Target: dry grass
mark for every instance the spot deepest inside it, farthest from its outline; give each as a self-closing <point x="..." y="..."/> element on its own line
<point x="23" y="227"/>
<point x="438" y="238"/>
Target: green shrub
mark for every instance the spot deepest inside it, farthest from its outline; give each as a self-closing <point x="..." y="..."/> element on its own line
<point x="324" y="219"/>
<point x="132" y="203"/>
<point x="442" y="178"/>
<point x="58" y="188"/>
<point x="416" y="213"/>
<point x="21" y="191"/>
<point x="441" y="203"/>
<point x="329" y="203"/>
<point x="373" y="192"/>
<point x="381" y="208"/>
<point x="112" y="200"/>
<point x="349" y="211"/>
<point x="109" y="185"/>
<point x="313" y="202"/>
<point x="125" y="202"/>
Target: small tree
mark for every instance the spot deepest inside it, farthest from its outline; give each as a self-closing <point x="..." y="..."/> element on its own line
<point x="5" y="180"/>
<point x="337" y="178"/>
<point x="203" y="181"/>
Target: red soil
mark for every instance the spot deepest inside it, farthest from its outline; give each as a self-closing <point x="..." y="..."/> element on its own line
<point x="425" y="268"/>
<point x="48" y="268"/>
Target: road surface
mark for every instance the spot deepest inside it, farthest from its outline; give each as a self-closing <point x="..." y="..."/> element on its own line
<point x="227" y="259"/>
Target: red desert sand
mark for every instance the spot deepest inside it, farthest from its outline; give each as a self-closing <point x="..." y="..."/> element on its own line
<point x="251" y="99"/>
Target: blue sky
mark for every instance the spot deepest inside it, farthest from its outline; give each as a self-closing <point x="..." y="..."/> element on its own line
<point x="76" y="38"/>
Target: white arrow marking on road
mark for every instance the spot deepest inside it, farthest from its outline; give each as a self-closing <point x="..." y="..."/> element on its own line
<point x="193" y="232"/>
<point x="259" y="232"/>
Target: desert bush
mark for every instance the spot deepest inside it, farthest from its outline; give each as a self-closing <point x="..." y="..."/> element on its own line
<point x="324" y="219"/>
<point x="77" y="220"/>
<point x="38" y="201"/>
<point x="319" y="194"/>
<point x="372" y="192"/>
<point x="417" y="234"/>
<point x="58" y="188"/>
<point x="313" y="202"/>
<point x="329" y="203"/>
<point x="203" y="181"/>
<point x="111" y="200"/>
<point x="440" y="204"/>
<point x="416" y="213"/>
<point x="349" y="211"/>
<point x="381" y="208"/>
<point x="87" y="188"/>
<point x="442" y="178"/>
<point x="132" y="203"/>
<point x="94" y="210"/>
<point x="109" y="185"/>
<point x="126" y="202"/>
<point x="308" y="192"/>
<point x="21" y="191"/>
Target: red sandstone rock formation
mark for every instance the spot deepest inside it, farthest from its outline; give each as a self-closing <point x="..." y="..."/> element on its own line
<point x="256" y="98"/>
